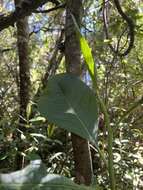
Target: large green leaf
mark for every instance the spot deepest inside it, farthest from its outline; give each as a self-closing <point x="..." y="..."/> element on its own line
<point x="57" y="182"/>
<point x="24" y="179"/>
<point x="35" y="177"/>
<point x="70" y="104"/>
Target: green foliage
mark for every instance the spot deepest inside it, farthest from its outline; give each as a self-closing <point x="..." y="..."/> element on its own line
<point x="120" y="84"/>
<point x="70" y="104"/>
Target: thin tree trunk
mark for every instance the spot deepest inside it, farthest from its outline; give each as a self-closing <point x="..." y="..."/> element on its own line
<point x="82" y="156"/>
<point x="24" y="76"/>
<point x="24" y="73"/>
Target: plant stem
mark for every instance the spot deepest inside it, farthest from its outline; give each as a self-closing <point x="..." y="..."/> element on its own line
<point x="109" y="138"/>
<point x="110" y="143"/>
<point x="109" y="129"/>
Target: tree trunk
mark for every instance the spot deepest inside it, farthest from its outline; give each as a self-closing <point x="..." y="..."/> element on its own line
<point x="24" y="73"/>
<point x="82" y="156"/>
<point x="24" y="76"/>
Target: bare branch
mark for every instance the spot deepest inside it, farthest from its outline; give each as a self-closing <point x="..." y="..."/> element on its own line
<point x="131" y="27"/>
<point x="130" y="24"/>
<point x="51" y="9"/>
<point x="23" y="9"/>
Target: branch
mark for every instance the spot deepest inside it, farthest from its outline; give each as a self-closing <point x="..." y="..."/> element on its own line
<point x="130" y="24"/>
<point x="6" y="50"/>
<point x="51" y="9"/>
<point x="25" y="8"/>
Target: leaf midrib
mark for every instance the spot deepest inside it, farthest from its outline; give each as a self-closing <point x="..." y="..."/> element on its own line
<point x="76" y="115"/>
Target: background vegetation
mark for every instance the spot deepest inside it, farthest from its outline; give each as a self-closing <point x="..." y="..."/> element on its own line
<point x="26" y="133"/>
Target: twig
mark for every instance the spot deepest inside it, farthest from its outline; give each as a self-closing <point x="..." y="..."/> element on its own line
<point x="130" y="24"/>
<point x="51" y="9"/>
<point x="24" y="9"/>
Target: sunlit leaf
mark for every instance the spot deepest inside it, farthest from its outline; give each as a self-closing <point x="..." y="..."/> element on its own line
<point x="38" y="135"/>
<point x="50" y="130"/>
<point x="37" y="119"/>
<point x="86" y="51"/>
<point x="28" y="110"/>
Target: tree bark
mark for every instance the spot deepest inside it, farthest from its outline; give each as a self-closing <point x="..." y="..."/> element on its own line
<point x="24" y="77"/>
<point x="81" y="151"/>
<point x="24" y="71"/>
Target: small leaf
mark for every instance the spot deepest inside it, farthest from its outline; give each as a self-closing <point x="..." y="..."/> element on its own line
<point x="3" y="157"/>
<point x="28" y="110"/>
<point x="71" y="104"/>
<point x="23" y="137"/>
<point x="37" y="119"/>
<point x="50" y="130"/>
<point x="38" y="135"/>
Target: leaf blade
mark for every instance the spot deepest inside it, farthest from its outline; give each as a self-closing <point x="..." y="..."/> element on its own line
<point x="70" y="104"/>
